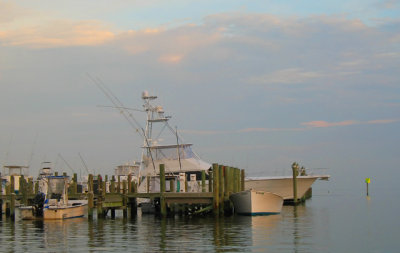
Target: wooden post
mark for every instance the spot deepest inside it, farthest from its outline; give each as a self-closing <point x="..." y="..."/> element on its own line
<point x="8" y="200"/>
<point x="216" y="189"/>
<point x="112" y="185"/>
<point x="295" y="168"/>
<point x="242" y="180"/>
<point x="75" y="185"/>
<point x="162" y="191"/>
<point x="30" y="186"/>
<point x="99" y="204"/>
<point x="129" y="183"/>
<point x="1" y="199"/>
<point x="239" y="180"/>
<point x="235" y="179"/>
<point x="119" y="184"/>
<point x="210" y="181"/>
<point x="12" y="206"/>
<point x="12" y="183"/>
<point x="90" y="205"/>
<point x="133" y="201"/>
<point x="221" y="189"/>
<point x="36" y="187"/>
<point x="203" y="181"/>
<point x="125" y="199"/>
<point x="22" y="190"/>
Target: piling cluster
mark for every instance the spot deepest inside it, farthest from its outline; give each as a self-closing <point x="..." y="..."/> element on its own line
<point x="106" y="195"/>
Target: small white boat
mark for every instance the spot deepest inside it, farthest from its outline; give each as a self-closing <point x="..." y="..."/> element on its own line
<point x="252" y="202"/>
<point x="54" y="205"/>
<point x="283" y="186"/>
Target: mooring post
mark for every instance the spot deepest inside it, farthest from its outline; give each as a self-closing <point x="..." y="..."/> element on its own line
<point x="133" y="201"/>
<point x="119" y="184"/>
<point x="226" y="182"/>
<point x="12" y="206"/>
<point x="36" y="187"/>
<point x="295" y="167"/>
<point x="210" y="181"/>
<point x="235" y="180"/>
<point x="203" y="181"/>
<point x="8" y="199"/>
<point x="90" y="196"/>
<point x="30" y="186"/>
<point x="22" y="190"/>
<point x="242" y="179"/>
<point x="221" y="189"/>
<point x="99" y="204"/>
<point x="125" y="199"/>
<point x="75" y="185"/>
<point x="239" y="180"/>
<point x="90" y="205"/>
<point x="216" y="189"/>
<point x="12" y="184"/>
<point x="112" y="185"/>
<point x="1" y="199"/>
<point x="129" y="183"/>
<point x="162" y="191"/>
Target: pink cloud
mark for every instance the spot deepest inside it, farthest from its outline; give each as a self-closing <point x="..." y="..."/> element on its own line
<point x="321" y="123"/>
<point x="383" y="121"/>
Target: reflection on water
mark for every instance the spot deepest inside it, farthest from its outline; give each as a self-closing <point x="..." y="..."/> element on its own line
<point x="340" y="223"/>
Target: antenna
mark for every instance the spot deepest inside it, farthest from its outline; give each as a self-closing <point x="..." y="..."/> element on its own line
<point x="84" y="164"/>
<point x="123" y="110"/>
<point x="66" y="163"/>
<point x="177" y="146"/>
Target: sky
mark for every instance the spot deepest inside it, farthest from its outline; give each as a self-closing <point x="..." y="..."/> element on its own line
<point x="252" y="84"/>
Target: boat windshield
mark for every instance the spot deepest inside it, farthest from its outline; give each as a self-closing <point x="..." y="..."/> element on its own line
<point x="56" y="185"/>
<point x="171" y="152"/>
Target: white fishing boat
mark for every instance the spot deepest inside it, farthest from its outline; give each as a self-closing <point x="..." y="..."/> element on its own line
<point x="283" y="186"/>
<point x="161" y="145"/>
<point x="178" y="157"/>
<point x="252" y="202"/>
<point x="15" y="171"/>
<point x="54" y="204"/>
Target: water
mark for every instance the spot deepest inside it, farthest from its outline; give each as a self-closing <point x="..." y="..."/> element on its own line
<point x="342" y="220"/>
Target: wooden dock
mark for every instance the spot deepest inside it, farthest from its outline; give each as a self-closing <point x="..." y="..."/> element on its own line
<point x="122" y="195"/>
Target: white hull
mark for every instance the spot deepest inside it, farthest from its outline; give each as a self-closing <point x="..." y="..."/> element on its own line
<point x="66" y="212"/>
<point x="54" y="212"/>
<point x="253" y="202"/>
<point x="283" y="186"/>
<point x="26" y="213"/>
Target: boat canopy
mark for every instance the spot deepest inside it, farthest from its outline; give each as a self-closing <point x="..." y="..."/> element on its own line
<point x="170" y="152"/>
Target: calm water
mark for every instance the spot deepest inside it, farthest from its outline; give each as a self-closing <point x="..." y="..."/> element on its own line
<point x="332" y="221"/>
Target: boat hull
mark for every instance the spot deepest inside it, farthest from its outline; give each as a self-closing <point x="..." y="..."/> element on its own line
<point x="60" y="213"/>
<point x="282" y="186"/>
<point x="26" y="213"/>
<point x="251" y="202"/>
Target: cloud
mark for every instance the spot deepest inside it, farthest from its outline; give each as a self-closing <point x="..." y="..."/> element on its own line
<point x="321" y="123"/>
<point x="170" y="58"/>
<point x="383" y="121"/>
<point x="287" y="76"/>
<point x="318" y="124"/>
<point x="308" y="126"/>
<point x="61" y="33"/>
